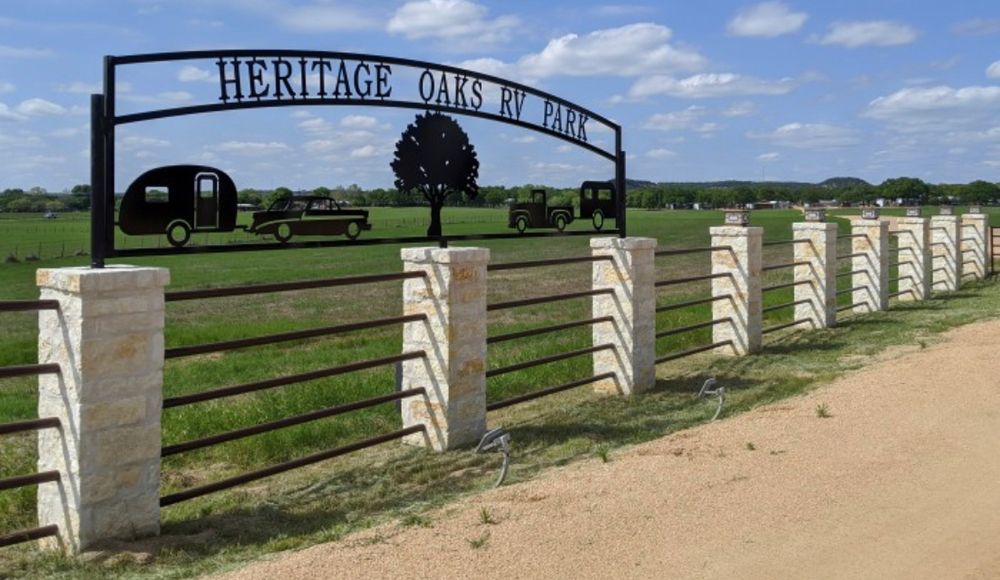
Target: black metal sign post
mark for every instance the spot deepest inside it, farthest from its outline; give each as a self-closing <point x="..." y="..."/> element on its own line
<point x="276" y="78"/>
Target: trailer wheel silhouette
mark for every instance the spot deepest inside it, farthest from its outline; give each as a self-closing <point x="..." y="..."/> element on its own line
<point x="283" y="233"/>
<point x="598" y="220"/>
<point x="178" y="234"/>
<point x="521" y="224"/>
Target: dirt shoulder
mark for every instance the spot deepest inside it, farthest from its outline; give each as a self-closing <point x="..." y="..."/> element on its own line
<point x="902" y="481"/>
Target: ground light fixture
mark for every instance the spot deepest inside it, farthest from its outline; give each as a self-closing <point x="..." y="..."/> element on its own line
<point x="737" y="217"/>
<point x="975" y="209"/>
<point x="815" y="215"/>
<point x="869" y="213"/>
<point x="946" y="210"/>
<point x="913" y="212"/>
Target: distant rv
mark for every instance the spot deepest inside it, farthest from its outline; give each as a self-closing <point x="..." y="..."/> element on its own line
<point x="179" y="199"/>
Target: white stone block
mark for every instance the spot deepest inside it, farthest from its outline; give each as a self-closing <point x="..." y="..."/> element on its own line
<point x="741" y="264"/>
<point x="817" y="278"/>
<point x="946" y="256"/>
<point x="632" y="306"/>
<point x="452" y="296"/>
<point x="107" y="338"/>
<point x="871" y="267"/>
<point x="914" y="258"/>
<point x="975" y="239"/>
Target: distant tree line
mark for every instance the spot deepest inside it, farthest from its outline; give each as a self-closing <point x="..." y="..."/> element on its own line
<point x="640" y="194"/>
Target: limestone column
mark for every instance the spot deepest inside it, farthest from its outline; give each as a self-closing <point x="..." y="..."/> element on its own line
<point x="453" y="297"/>
<point x="107" y="338"/>
<point x="974" y="245"/>
<point x="914" y="258"/>
<point x="817" y="279"/>
<point x="871" y="267"/>
<point x="740" y="264"/>
<point x="632" y="306"/>
<point x="946" y="265"/>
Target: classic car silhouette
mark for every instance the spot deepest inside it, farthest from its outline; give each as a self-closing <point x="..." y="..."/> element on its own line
<point x="177" y="200"/>
<point x="309" y="215"/>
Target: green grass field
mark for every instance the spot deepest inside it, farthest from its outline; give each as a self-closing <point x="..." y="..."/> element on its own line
<point x="331" y="499"/>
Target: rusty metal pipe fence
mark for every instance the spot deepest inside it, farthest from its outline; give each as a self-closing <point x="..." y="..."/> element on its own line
<point x="28" y="426"/>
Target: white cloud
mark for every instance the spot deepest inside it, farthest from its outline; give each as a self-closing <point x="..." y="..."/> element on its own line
<point x="8" y="114"/>
<point x="809" y="136"/>
<point x="36" y="106"/>
<point x="767" y="19"/>
<point x="524" y="139"/>
<point x="742" y="109"/>
<point x="136" y="141"/>
<point x="67" y="132"/>
<point x="6" y="87"/>
<point x="364" y="152"/>
<point x="490" y="66"/>
<point x="869" y="33"/>
<point x="708" y="85"/>
<point x="675" y="120"/>
<point x="631" y="50"/>
<point x="189" y="73"/>
<point x="315" y="125"/>
<point x="452" y="20"/>
<point x="15" y="52"/>
<point x="80" y="87"/>
<point x="660" y="153"/>
<point x="993" y="71"/>
<point x="253" y="148"/>
<point x="359" y="122"/>
<point x="769" y="157"/>
<point x="977" y="27"/>
<point x="938" y="108"/>
<point x="322" y="18"/>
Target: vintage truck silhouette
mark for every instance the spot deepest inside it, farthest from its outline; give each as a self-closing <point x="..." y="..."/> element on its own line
<point x="179" y="199"/>
<point x="597" y="203"/>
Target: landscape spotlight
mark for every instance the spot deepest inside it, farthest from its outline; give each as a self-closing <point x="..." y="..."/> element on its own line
<point x="947" y="210"/>
<point x="975" y="209"/>
<point x="737" y="217"/>
<point x="913" y="211"/>
<point x="869" y="213"/>
<point x="815" y="214"/>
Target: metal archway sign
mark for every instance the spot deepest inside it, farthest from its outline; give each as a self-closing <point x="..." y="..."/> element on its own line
<point x="202" y="199"/>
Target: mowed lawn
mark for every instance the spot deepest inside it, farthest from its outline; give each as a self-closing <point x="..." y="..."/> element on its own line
<point x="210" y="320"/>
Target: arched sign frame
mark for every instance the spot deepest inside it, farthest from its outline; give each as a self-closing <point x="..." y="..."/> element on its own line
<point x="105" y="120"/>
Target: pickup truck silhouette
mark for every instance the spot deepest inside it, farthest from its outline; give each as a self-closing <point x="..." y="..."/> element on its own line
<point x="597" y="203"/>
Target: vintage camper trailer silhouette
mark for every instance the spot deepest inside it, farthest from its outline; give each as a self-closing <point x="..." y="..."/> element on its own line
<point x="179" y="199"/>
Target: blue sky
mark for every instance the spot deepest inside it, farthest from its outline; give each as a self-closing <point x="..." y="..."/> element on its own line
<point x="703" y="90"/>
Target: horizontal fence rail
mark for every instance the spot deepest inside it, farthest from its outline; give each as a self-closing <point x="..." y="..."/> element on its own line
<point x="28" y="370"/>
<point x="784" y="242"/>
<point x="785" y="305"/>
<point x="547" y="329"/>
<point x="689" y="303"/>
<point x="692" y="351"/>
<point x="546" y="299"/>
<point x="690" y="327"/>
<point x="851" y="273"/>
<point x="682" y="251"/>
<point x="31" y="479"/>
<point x="289" y="380"/>
<point x="675" y="281"/>
<point x="288" y="422"/>
<point x="788" y="285"/>
<point x="29" y="425"/>
<point x="854" y="255"/>
<point x="180" y="295"/>
<point x="547" y="391"/>
<point x="784" y="266"/>
<point x="28" y="305"/>
<point x="778" y="327"/>
<point x="28" y="535"/>
<point x="541" y="263"/>
<point x="181" y="351"/>
<point x="192" y="493"/>
<point x="546" y="360"/>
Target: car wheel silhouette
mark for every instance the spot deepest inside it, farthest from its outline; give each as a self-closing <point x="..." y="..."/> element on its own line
<point x="283" y="233"/>
<point x="598" y="220"/>
<point x="521" y="224"/>
<point x="353" y="230"/>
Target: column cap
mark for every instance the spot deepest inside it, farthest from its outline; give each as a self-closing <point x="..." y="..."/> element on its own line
<point x="435" y="255"/>
<point x="110" y="278"/>
<point x="819" y="226"/>
<point x="623" y="243"/>
<point x="736" y="231"/>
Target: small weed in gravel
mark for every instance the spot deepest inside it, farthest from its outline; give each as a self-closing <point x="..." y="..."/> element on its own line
<point x="822" y="411"/>
<point x="479" y="542"/>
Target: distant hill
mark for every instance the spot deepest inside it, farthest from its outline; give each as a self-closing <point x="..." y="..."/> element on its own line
<point x="831" y="183"/>
<point x="844" y="182"/>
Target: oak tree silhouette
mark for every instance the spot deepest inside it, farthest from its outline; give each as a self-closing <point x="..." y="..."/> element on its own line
<point x="435" y="158"/>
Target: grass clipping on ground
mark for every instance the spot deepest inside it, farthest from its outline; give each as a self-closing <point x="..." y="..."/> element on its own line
<point x="327" y="501"/>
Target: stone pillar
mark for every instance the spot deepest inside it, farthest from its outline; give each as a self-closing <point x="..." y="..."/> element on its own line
<point x="974" y="245"/>
<point x="741" y="263"/>
<point x="107" y="338"/>
<point x="946" y="264"/>
<point x="817" y="246"/>
<point x="914" y="258"/>
<point x="632" y="307"/>
<point x="453" y="297"/>
<point x="871" y="278"/>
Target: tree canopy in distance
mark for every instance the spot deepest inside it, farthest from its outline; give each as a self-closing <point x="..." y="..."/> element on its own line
<point x="435" y="158"/>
